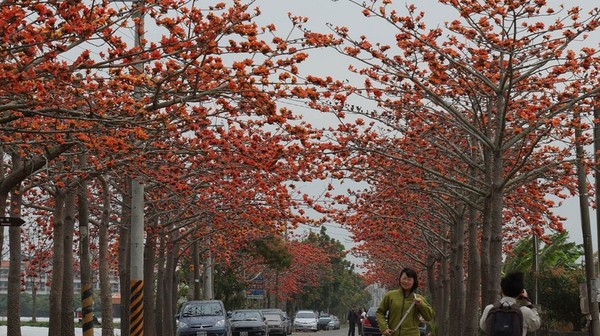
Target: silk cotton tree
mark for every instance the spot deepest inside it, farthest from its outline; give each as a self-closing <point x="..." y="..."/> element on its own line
<point x="71" y="81"/>
<point x="504" y="75"/>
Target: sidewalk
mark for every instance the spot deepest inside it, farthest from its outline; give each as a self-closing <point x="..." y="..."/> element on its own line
<point x="41" y="331"/>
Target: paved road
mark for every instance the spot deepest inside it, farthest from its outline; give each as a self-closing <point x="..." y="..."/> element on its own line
<point x="343" y="331"/>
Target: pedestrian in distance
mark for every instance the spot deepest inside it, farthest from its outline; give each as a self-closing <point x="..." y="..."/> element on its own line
<point x="352" y="319"/>
<point x="362" y="318"/>
<point x="508" y="313"/>
<point x="403" y="306"/>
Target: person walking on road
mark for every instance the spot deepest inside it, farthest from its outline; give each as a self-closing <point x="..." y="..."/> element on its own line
<point x="404" y="307"/>
<point x="352" y="319"/>
<point x="362" y="316"/>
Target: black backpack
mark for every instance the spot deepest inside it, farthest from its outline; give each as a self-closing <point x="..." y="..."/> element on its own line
<point x="504" y="320"/>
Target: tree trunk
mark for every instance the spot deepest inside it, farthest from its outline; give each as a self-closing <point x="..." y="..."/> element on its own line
<point x="103" y="267"/>
<point x="169" y="288"/>
<point x="160" y="286"/>
<point x="196" y="264"/>
<point x="444" y="322"/>
<point x="13" y="313"/>
<point x="87" y="285"/>
<point x="124" y="275"/>
<point x="495" y="252"/>
<point x="68" y="302"/>
<point x="457" y="277"/>
<point x="34" y="302"/>
<point x="149" y="281"/>
<point x="56" y="285"/>
<point x="474" y="279"/>
<point x="3" y="195"/>
<point x="433" y="284"/>
<point x="487" y="292"/>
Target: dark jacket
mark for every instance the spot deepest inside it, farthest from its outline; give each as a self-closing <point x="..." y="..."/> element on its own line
<point x="352" y="316"/>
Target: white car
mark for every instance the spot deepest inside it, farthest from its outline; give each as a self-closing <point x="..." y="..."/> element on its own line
<point x="306" y="320"/>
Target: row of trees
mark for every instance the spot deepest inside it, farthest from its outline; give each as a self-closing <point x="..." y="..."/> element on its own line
<point x="469" y="139"/>
<point x="192" y="113"/>
<point x="472" y="128"/>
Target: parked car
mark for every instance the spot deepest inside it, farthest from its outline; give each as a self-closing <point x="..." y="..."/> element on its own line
<point x="334" y="324"/>
<point x="248" y="322"/>
<point x="323" y="322"/>
<point x="288" y="322"/>
<point x="306" y="320"/>
<point x="203" y="318"/>
<point x="370" y="326"/>
<point x="276" y="321"/>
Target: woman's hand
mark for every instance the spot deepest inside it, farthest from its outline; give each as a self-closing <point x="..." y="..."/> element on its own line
<point x="387" y="332"/>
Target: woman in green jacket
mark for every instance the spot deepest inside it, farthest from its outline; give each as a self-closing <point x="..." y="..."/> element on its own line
<point x="396" y="303"/>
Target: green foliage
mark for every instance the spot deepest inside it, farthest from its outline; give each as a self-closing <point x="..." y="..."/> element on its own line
<point x="559" y="253"/>
<point x="26" y="303"/>
<point x="559" y="297"/>
<point x="228" y="288"/>
<point x="272" y="249"/>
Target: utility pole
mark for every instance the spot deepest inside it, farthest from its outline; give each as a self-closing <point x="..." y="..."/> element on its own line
<point x="136" y="239"/>
<point x="136" y="316"/>
<point x="586" y="228"/>
<point x="208" y="269"/>
<point x="87" y="287"/>
<point x="536" y="270"/>
<point x="597" y="173"/>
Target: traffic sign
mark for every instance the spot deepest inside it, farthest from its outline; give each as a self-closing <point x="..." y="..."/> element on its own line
<point x="11" y="221"/>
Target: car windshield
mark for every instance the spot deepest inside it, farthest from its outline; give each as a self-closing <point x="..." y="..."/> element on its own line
<point x="305" y="315"/>
<point x="202" y="309"/>
<point x="246" y="316"/>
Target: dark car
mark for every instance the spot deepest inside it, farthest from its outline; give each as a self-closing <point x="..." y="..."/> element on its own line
<point x="370" y="326"/>
<point x="323" y="322"/>
<point x="203" y="318"/>
<point x="248" y="322"/>
<point x="276" y="321"/>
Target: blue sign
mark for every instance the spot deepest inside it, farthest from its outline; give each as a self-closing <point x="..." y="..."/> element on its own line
<point x="256" y="288"/>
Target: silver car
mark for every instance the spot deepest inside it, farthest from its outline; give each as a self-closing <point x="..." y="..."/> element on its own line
<point x="334" y="324"/>
<point x="306" y="320"/>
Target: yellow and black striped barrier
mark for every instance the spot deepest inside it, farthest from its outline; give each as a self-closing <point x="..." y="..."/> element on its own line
<point x="136" y="316"/>
<point x="87" y="311"/>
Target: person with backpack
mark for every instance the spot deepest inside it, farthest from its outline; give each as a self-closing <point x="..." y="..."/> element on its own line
<point x="507" y="317"/>
<point x="403" y="307"/>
